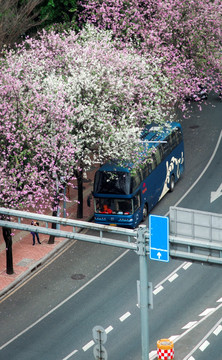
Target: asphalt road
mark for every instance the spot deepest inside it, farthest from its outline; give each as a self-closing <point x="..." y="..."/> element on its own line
<point x="52" y="315"/>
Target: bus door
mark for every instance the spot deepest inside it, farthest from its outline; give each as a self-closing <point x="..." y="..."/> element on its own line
<point x="137" y="208"/>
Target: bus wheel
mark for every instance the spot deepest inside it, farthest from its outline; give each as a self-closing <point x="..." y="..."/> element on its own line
<point x="172" y="183"/>
<point x="145" y="212"/>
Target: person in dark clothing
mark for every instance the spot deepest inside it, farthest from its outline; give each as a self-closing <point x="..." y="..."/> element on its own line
<point x="35" y="234"/>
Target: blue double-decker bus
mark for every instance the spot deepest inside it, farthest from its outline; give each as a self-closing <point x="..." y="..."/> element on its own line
<point x="123" y="197"/>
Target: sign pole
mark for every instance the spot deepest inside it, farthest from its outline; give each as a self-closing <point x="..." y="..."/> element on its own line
<point x="144" y="297"/>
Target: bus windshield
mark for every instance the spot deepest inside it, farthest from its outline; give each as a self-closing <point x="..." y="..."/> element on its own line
<point x="113" y="206"/>
<point x="112" y="182"/>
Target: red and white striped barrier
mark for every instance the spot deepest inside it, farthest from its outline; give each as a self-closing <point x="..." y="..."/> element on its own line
<point x="165" y="349"/>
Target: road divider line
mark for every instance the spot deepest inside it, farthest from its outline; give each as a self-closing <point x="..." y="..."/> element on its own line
<point x="124" y="316"/>
<point x="207" y="311"/>
<point x="173" y="337"/>
<point x="188" y="357"/>
<point x="204" y="345"/>
<point x="88" y="345"/>
<point x="71" y="354"/>
<point x="189" y="324"/>
<point x="157" y="290"/>
<point x="174" y="277"/>
<point x="108" y="329"/>
<point x="187" y="265"/>
<point x="217" y="330"/>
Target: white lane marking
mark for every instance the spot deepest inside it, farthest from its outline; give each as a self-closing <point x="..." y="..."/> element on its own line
<point x="187" y="265"/>
<point x="88" y="345"/>
<point x="125" y="316"/>
<point x="64" y="301"/>
<point x="191" y="358"/>
<point x="173" y="337"/>
<point x="152" y="353"/>
<point x="218" y="330"/>
<point x="204" y="345"/>
<point x="172" y="278"/>
<point x="207" y="311"/>
<point x="108" y="329"/>
<point x="72" y="353"/>
<point x="219" y="300"/>
<point x="157" y="290"/>
<point x="189" y="324"/>
<point x="170" y="275"/>
<point x="200" y="176"/>
<point x="205" y="337"/>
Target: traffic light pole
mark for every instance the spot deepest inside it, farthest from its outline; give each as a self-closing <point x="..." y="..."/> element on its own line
<point x="144" y="294"/>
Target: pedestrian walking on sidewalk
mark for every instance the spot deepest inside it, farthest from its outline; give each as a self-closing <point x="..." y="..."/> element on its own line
<point x="35" y="234"/>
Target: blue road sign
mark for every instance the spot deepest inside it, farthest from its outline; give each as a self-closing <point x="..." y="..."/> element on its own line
<point x="159" y="238"/>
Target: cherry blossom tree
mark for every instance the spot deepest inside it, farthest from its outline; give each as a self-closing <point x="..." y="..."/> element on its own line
<point x="186" y="35"/>
<point x="36" y="149"/>
<point x="103" y="95"/>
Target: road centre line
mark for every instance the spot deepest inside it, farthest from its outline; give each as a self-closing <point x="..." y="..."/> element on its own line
<point x="217" y="330"/>
<point x="189" y="325"/>
<point x="172" y="278"/>
<point x="157" y="290"/>
<point x="108" y="329"/>
<point x="88" y="345"/>
<point x="124" y="316"/>
<point x="170" y="275"/>
<point x="69" y="356"/>
<point x="207" y="311"/>
<point x="204" y="345"/>
<point x="187" y="265"/>
<point x="188" y="357"/>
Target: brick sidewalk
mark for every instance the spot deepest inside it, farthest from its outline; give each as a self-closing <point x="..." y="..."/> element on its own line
<point x="27" y="257"/>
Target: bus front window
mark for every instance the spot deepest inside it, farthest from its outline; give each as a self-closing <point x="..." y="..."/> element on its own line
<point x="113" y="206"/>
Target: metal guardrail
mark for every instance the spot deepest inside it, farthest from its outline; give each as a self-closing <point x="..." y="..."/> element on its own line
<point x="196" y="235"/>
<point x="131" y="235"/>
<point x="180" y="247"/>
<point x="196" y="250"/>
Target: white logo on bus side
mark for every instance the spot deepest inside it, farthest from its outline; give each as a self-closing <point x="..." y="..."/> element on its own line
<point x="173" y="162"/>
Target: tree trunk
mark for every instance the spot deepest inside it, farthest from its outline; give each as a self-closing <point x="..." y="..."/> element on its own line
<point x="8" y="242"/>
<point x="54" y="213"/>
<point x="80" y="194"/>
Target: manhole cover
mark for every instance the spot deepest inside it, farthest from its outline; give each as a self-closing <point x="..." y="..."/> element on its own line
<point x="77" y="276"/>
<point x="194" y="127"/>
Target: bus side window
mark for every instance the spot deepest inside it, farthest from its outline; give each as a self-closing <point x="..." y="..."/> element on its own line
<point x="154" y="162"/>
<point x="147" y="168"/>
<point x="176" y="138"/>
<point x="136" y="201"/>
<point x="173" y="140"/>
<point x="158" y="156"/>
<point x="166" y="148"/>
<point x="136" y="180"/>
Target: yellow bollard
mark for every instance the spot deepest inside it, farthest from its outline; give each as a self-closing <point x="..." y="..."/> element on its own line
<point x="165" y="349"/>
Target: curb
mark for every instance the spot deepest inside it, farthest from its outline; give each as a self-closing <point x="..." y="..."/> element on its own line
<point x="21" y="278"/>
